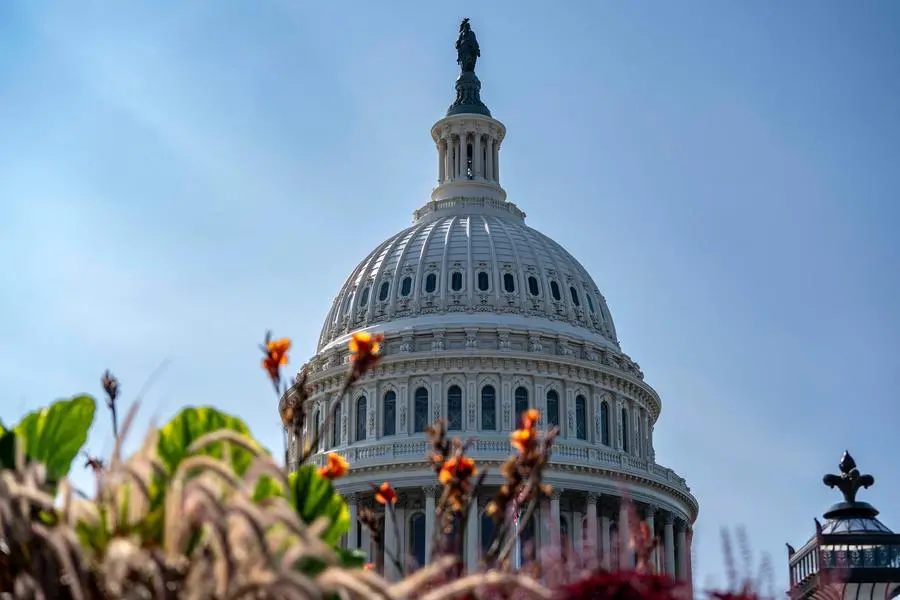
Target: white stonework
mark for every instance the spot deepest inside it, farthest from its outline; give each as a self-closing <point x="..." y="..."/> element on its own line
<point x="478" y="309"/>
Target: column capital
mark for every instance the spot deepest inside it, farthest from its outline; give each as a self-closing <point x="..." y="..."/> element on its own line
<point x="668" y="518"/>
<point x="430" y="491"/>
<point x="592" y="498"/>
<point x="351" y="498"/>
<point x="650" y="510"/>
<point x="556" y="494"/>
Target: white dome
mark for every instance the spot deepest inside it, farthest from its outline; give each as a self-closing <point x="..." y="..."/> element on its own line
<point x="471" y="261"/>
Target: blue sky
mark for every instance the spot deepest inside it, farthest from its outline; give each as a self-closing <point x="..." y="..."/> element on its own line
<point x="177" y="177"/>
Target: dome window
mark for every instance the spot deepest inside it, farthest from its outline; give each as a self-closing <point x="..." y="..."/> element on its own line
<point x="590" y="303"/>
<point x="488" y="408"/>
<point x="521" y="396"/>
<point x="533" y="288"/>
<point x="554" y="291"/>
<point x="383" y="292"/>
<point x="580" y="417"/>
<point x="406" y="286"/>
<point x="604" y="423"/>
<point x="509" y="283"/>
<point x="336" y="426"/>
<point x="360" y="418"/>
<point x="430" y="283"/>
<point x="389" y="412"/>
<point x="420" y="410"/>
<point x="456" y="282"/>
<point x="484" y="282"/>
<point x="552" y="408"/>
<point x="364" y="297"/>
<point x="574" y="294"/>
<point x="454" y="408"/>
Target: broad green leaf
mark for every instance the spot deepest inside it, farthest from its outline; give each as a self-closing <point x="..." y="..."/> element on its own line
<point x="313" y="496"/>
<point x="191" y="424"/>
<point x="267" y="487"/>
<point x="54" y="435"/>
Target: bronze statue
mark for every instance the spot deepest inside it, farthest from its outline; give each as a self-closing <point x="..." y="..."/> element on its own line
<point x="467" y="50"/>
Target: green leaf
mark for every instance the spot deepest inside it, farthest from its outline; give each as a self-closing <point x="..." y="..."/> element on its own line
<point x="191" y="424"/>
<point x="267" y="487"/>
<point x="313" y="496"/>
<point x="54" y="435"/>
<point x="353" y="559"/>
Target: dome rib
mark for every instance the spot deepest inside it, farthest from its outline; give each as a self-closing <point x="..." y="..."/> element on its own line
<point x="469" y="242"/>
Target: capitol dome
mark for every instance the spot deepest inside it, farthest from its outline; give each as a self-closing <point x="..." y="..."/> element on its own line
<point x="484" y="318"/>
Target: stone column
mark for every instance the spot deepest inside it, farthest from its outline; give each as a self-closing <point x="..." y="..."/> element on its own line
<point x="626" y="554"/>
<point x="473" y="542"/>
<point x="366" y="545"/>
<point x="350" y="538"/>
<point x="460" y="154"/>
<point x="683" y="552"/>
<point x="497" y="162"/>
<point x="576" y="537"/>
<point x="489" y="170"/>
<point x="554" y="519"/>
<point x="544" y="529"/>
<point x="430" y="493"/>
<point x="592" y="546"/>
<point x="605" y="542"/>
<point x="390" y="546"/>
<point x="650" y="519"/>
<point x="477" y="167"/>
<point x="399" y="548"/>
<point x="670" y="544"/>
<point x="690" y="561"/>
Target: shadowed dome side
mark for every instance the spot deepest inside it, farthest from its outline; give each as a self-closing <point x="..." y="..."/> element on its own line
<point x="471" y="264"/>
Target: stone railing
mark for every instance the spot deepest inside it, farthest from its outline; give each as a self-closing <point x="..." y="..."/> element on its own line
<point x="414" y="449"/>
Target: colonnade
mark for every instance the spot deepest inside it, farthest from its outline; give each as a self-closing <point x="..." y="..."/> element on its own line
<point x="586" y="525"/>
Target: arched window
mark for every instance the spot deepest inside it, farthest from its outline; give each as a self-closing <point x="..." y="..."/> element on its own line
<point x="315" y="426"/>
<point x="552" y="409"/>
<point x="580" y="417"/>
<point x="389" y="413"/>
<point x="521" y="404"/>
<point x="574" y="294"/>
<point x="406" y="286"/>
<point x="487" y="532"/>
<point x="533" y="288"/>
<point x="364" y="297"/>
<point x="360" y="418"/>
<point x="454" y="408"/>
<point x="624" y="428"/>
<point x="431" y="283"/>
<point x="456" y="281"/>
<point x="590" y="303"/>
<point x="488" y="408"/>
<point x="336" y="425"/>
<point x="554" y="291"/>
<point x="384" y="290"/>
<point x="420" y="410"/>
<point x="509" y="282"/>
<point x="484" y="281"/>
<point x="604" y="423"/>
<point x="417" y="539"/>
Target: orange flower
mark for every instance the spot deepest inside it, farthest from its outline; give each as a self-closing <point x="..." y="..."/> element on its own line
<point x="385" y="494"/>
<point x="369" y="567"/>
<point x="276" y="356"/>
<point x="462" y="468"/>
<point x="337" y="467"/>
<point x="365" y="350"/>
<point x="530" y="418"/>
<point x="520" y="439"/>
